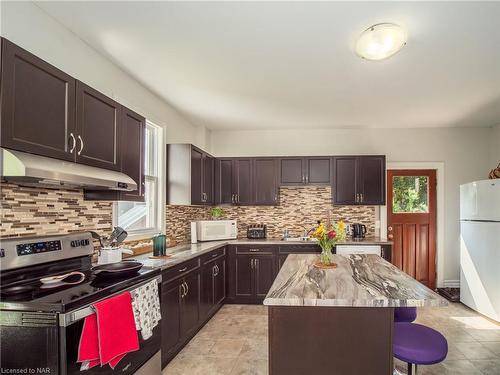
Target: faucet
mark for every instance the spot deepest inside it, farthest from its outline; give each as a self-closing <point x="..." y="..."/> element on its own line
<point x="307" y="231"/>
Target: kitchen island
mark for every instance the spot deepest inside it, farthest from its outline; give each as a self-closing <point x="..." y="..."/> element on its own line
<point x="338" y="321"/>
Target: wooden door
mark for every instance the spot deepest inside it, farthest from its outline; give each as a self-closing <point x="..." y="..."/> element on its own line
<point x="170" y="327"/>
<point x="190" y="305"/>
<point x="345" y="171"/>
<point x="243" y="270"/>
<point x="292" y="171"/>
<point x="208" y="179"/>
<point x="98" y="128"/>
<point x="132" y="146"/>
<point x="224" y="180"/>
<point x="318" y="171"/>
<point x="371" y="180"/>
<point x="220" y="282"/>
<point x="265" y="182"/>
<point x="263" y="274"/>
<point x="196" y="176"/>
<point x="37" y="105"/>
<point x="243" y="181"/>
<point x="411" y="222"/>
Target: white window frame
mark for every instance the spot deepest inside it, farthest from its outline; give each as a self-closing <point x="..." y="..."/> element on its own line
<point x="158" y="161"/>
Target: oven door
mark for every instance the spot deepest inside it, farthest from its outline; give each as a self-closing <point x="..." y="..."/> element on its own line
<point x="29" y="343"/>
<point x="71" y="330"/>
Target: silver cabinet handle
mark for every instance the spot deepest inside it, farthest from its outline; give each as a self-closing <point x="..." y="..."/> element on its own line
<point x="73" y="143"/>
<point x="256" y="263"/>
<point x="254" y="250"/>
<point x="251" y="263"/>
<point x="362" y="198"/>
<point x="232" y="198"/>
<point x="183" y="290"/>
<point x="187" y="288"/>
<point x="357" y="197"/>
<point x="214" y="255"/>
<point x="183" y="269"/>
<point x="217" y="268"/>
<point x="276" y="197"/>
<point x="213" y="272"/>
<point x="238" y="198"/>
<point x="81" y="145"/>
<point x="307" y="179"/>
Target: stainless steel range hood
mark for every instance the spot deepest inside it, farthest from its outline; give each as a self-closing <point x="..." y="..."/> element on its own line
<point x="33" y="170"/>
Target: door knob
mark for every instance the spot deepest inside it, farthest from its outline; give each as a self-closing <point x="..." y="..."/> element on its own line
<point x="390" y="236"/>
<point x="389" y="229"/>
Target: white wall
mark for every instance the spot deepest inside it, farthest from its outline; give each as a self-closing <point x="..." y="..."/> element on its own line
<point x="28" y="26"/>
<point x="495" y="146"/>
<point x="464" y="152"/>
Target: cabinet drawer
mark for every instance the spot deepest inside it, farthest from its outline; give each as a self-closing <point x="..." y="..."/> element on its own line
<point x="299" y="249"/>
<point x="180" y="270"/>
<point x="255" y="249"/>
<point x="214" y="254"/>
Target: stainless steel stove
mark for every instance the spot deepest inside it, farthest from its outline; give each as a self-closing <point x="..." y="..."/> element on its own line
<point x="46" y="321"/>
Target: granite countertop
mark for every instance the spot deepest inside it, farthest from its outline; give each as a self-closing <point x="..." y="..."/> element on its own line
<point x="358" y="281"/>
<point x="182" y="253"/>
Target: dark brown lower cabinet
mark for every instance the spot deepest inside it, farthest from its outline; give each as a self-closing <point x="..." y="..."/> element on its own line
<point x="251" y="274"/>
<point x="180" y="305"/>
<point x="213" y="286"/>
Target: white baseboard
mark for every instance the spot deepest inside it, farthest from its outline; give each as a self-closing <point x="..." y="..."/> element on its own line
<point x="451" y="283"/>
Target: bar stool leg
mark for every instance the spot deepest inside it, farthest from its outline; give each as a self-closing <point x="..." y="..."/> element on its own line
<point x="412" y="369"/>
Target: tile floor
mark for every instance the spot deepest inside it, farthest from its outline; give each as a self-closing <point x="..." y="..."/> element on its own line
<point x="234" y="342"/>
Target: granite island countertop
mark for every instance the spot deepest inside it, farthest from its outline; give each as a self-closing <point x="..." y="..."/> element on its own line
<point x="358" y="281"/>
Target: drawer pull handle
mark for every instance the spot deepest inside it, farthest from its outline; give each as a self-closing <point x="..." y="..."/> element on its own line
<point x="183" y="269"/>
<point x="254" y="250"/>
<point x="214" y="255"/>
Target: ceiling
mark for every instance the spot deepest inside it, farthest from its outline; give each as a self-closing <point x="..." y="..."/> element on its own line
<point x="283" y="65"/>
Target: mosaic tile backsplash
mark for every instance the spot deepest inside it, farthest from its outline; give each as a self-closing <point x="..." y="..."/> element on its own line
<point x="299" y="207"/>
<point x="28" y="211"/>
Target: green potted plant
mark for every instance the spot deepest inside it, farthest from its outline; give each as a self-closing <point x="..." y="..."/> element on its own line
<point x="216" y="212"/>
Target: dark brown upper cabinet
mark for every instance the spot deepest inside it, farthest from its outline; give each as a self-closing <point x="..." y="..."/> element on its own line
<point x="131" y="156"/>
<point x="298" y="171"/>
<point x="265" y="181"/>
<point x="242" y="186"/>
<point x="359" y="180"/>
<point x="37" y="105"/>
<point x="97" y="128"/>
<point x="191" y="173"/>
<point x="224" y="178"/>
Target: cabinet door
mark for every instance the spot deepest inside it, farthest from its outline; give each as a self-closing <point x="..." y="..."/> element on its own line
<point x="371" y="180"/>
<point x="281" y="260"/>
<point x="224" y="182"/>
<point x="196" y="176"/>
<point x="171" y="315"/>
<point x="243" y="181"/>
<point x="292" y="171"/>
<point x="264" y="274"/>
<point x="220" y="281"/>
<point x="265" y="182"/>
<point x="37" y="105"/>
<point x="132" y="152"/>
<point x="207" y="290"/>
<point x="190" y="305"/>
<point x="345" y="171"/>
<point x="243" y="275"/>
<point x="318" y="171"/>
<point x="97" y="128"/>
<point x="208" y="179"/>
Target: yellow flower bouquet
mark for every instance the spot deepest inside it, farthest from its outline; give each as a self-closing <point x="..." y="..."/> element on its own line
<point x="328" y="237"/>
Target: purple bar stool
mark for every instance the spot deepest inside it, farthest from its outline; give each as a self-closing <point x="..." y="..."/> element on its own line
<point x="416" y="344"/>
<point x="405" y="314"/>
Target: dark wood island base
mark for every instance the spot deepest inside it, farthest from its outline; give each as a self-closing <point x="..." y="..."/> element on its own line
<point x="330" y="340"/>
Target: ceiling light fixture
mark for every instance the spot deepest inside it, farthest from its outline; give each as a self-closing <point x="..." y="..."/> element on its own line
<point x="380" y="41"/>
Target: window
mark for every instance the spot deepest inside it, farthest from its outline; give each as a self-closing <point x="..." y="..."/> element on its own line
<point x="410" y="194"/>
<point x="141" y="219"/>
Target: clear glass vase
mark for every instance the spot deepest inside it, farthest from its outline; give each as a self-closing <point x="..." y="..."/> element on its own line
<point x="326" y="255"/>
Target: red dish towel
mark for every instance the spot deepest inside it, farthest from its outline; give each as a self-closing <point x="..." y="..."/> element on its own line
<point x="110" y="333"/>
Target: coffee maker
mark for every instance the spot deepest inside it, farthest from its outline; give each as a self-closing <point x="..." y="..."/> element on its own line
<point x="358" y="231"/>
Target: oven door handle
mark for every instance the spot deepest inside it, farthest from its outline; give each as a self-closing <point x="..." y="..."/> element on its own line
<point x="71" y="317"/>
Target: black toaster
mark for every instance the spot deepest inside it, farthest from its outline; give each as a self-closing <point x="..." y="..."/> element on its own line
<point x="256" y="231"/>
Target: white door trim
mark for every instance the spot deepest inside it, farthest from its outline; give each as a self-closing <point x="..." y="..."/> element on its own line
<point x="440" y="245"/>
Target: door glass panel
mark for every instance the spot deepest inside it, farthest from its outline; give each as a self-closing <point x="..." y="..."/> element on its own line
<point x="410" y="194"/>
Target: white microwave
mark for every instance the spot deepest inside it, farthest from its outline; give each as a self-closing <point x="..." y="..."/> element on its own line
<point x="212" y="230"/>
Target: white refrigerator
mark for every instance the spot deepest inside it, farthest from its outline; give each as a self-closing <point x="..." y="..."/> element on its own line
<point x="480" y="247"/>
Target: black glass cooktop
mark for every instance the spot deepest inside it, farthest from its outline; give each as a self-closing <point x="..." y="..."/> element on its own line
<point x="32" y="295"/>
